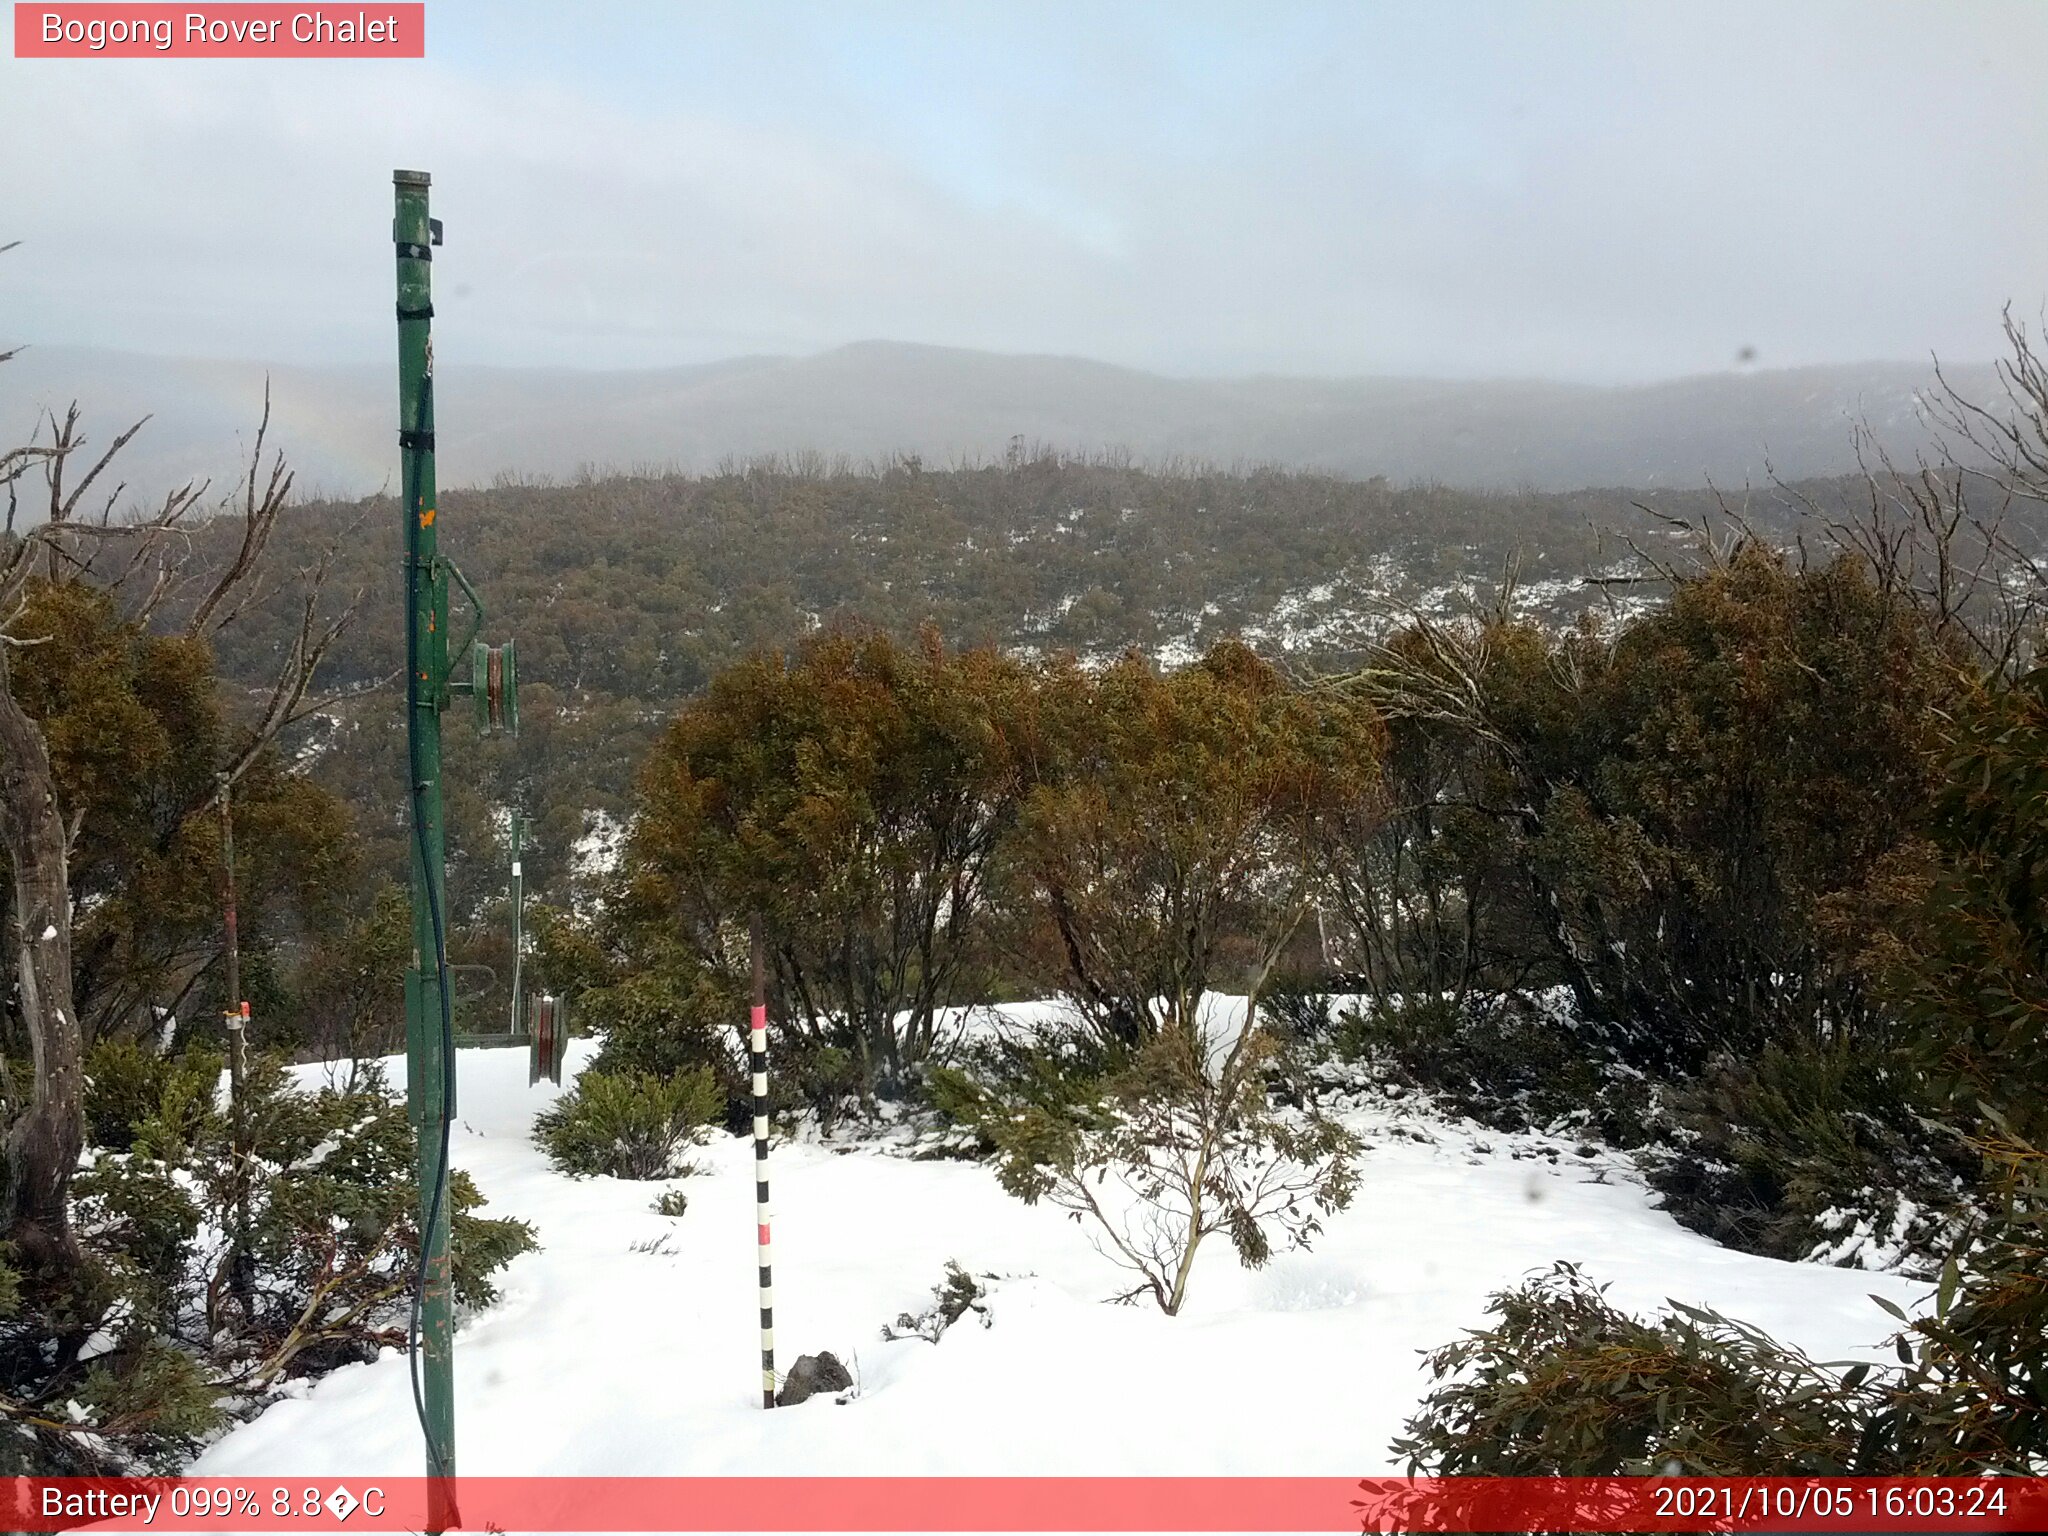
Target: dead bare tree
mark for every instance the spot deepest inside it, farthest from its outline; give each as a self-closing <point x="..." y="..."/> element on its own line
<point x="1942" y="538"/>
<point x="2008" y="441"/>
<point x="1961" y="531"/>
<point x="75" y="541"/>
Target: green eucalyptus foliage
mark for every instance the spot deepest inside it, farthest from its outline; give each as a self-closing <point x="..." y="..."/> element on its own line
<point x="138" y="729"/>
<point x="1974" y="972"/>
<point x="1174" y="828"/>
<point x="142" y="1219"/>
<point x="133" y="1091"/>
<point x="1691" y="819"/>
<point x="1563" y="1384"/>
<point x="335" y="1224"/>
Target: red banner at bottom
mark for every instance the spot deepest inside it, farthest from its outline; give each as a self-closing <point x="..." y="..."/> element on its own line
<point x="1025" y="1504"/>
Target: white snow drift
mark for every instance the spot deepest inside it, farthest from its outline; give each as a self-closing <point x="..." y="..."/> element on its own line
<point x="628" y="1343"/>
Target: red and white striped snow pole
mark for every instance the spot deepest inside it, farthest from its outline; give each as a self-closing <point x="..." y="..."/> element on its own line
<point x="757" y="1051"/>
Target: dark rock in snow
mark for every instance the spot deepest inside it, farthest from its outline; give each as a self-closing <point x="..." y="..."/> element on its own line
<point x="811" y="1375"/>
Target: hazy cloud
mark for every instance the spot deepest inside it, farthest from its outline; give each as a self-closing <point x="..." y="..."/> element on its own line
<point x="1584" y="191"/>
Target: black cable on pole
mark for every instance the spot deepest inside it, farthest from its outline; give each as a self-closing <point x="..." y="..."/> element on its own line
<point x="414" y="507"/>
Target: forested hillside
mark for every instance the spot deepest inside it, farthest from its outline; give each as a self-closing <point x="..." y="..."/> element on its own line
<point x="626" y="594"/>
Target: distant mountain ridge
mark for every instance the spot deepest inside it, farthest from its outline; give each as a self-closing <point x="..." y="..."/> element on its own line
<point x="877" y="399"/>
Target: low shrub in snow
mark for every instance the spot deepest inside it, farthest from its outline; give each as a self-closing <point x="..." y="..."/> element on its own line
<point x="629" y="1125"/>
<point x="1565" y="1385"/>
<point x="1165" y="1153"/>
<point x="130" y="1089"/>
<point x="1511" y="1062"/>
<point x="335" y="1226"/>
<point x="664" y="1011"/>
<point x="1301" y="1011"/>
<point x="1830" y="1152"/>
<point x="162" y="1334"/>
<point x="668" y="1019"/>
<point x="958" y="1294"/>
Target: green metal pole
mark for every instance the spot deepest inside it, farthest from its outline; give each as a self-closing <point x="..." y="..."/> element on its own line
<point x="430" y="1076"/>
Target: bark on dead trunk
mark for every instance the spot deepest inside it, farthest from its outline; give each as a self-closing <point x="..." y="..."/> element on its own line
<point x="43" y="1146"/>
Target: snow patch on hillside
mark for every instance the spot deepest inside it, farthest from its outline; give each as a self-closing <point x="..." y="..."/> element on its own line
<point x="603" y="843"/>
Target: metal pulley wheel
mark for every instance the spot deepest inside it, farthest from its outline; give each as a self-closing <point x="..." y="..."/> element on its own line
<point x="547" y="1027"/>
<point x="495" y="687"/>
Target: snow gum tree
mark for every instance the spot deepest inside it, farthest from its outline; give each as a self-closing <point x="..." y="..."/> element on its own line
<point x="1683" y="822"/>
<point x="852" y="796"/>
<point x="1174" y="830"/>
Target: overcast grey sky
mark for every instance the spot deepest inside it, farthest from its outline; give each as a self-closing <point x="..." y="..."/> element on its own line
<point x="1576" y="190"/>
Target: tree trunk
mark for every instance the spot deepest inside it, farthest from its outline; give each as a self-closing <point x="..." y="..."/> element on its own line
<point x="43" y="1146"/>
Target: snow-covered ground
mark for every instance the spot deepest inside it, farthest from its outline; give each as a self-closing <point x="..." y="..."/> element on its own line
<point x="628" y="1343"/>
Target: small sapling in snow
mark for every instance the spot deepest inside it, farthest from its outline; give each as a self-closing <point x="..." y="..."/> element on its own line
<point x="958" y="1294"/>
<point x="1170" y="1153"/>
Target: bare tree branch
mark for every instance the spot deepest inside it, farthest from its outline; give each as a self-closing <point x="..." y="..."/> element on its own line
<point x="260" y="512"/>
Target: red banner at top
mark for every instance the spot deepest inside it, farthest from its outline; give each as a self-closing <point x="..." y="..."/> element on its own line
<point x="246" y="31"/>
